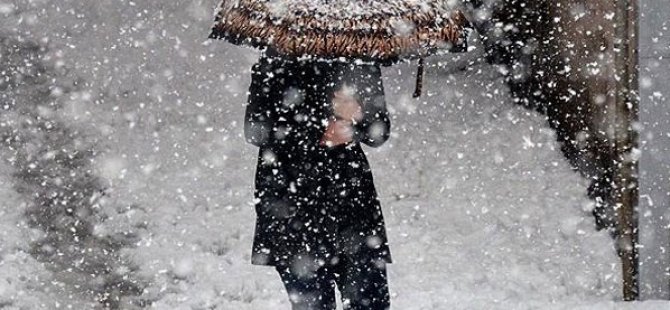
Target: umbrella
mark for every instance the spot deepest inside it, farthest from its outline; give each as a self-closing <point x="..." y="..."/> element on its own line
<point x="371" y="30"/>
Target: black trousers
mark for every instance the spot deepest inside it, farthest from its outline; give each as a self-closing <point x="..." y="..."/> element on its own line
<point x="362" y="283"/>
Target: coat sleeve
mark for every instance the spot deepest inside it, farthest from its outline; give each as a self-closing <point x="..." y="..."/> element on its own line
<point x="260" y="115"/>
<point x="375" y="126"/>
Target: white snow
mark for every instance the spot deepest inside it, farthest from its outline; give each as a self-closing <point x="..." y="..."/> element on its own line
<point x="342" y="9"/>
<point x="25" y="283"/>
<point x="654" y="130"/>
<point x="481" y="208"/>
<point x="368" y="15"/>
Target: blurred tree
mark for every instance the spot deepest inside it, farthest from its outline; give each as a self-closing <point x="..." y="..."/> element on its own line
<point x="575" y="62"/>
<point x="53" y="169"/>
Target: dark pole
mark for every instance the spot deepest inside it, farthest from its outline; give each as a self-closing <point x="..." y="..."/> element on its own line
<point x="625" y="162"/>
<point x="419" y="79"/>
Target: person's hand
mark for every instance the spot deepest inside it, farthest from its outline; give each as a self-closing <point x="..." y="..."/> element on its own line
<point x="339" y="131"/>
<point x="345" y="106"/>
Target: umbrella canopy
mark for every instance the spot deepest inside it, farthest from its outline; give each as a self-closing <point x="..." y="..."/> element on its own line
<point x="378" y="30"/>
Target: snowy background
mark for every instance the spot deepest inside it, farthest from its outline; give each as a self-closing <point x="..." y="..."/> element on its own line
<point x="655" y="141"/>
<point x="482" y="210"/>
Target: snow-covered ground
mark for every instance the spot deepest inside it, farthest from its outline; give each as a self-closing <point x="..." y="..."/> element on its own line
<point x="482" y="210"/>
<point x="26" y="283"/>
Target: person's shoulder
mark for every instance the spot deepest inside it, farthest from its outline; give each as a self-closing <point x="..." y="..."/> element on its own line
<point x="272" y="65"/>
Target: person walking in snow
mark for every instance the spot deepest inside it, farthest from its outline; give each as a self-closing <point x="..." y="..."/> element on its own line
<point x="319" y="221"/>
<point x="316" y="94"/>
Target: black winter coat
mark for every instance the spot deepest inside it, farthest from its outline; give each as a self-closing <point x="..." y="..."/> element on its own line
<point x="314" y="202"/>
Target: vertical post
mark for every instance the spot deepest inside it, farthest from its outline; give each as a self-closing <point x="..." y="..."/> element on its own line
<point x="419" y="79"/>
<point x="625" y="165"/>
